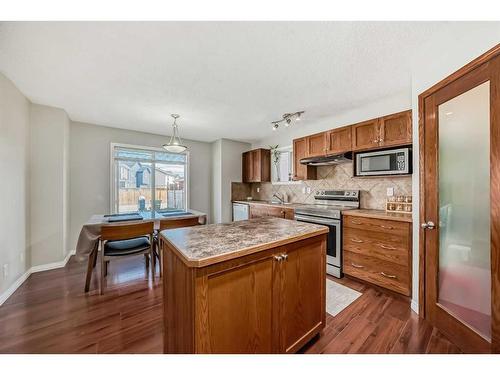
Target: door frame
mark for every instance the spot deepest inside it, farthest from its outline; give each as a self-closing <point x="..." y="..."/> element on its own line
<point x="494" y="179"/>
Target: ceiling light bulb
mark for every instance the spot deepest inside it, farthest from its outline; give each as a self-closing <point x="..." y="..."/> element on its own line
<point x="275" y="127"/>
<point x="298" y="117"/>
<point x="288" y="121"/>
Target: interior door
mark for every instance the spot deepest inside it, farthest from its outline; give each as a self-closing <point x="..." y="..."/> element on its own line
<point x="460" y="207"/>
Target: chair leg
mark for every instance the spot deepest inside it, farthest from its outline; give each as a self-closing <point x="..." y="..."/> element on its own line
<point x="146" y="258"/>
<point x="106" y="265"/>
<point x="90" y="268"/>
<point x="102" y="271"/>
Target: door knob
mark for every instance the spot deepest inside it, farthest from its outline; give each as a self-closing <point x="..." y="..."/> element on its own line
<point x="279" y="258"/>
<point x="428" y="225"/>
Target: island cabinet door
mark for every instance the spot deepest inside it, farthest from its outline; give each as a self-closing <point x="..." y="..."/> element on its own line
<point x="302" y="292"/>
<point x="234" y="306"/>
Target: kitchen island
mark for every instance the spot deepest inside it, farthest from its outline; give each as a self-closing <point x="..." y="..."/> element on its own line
<point x="253" y="286"/>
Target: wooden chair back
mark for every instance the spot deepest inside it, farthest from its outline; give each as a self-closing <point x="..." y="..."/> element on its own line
<point x="179" y="223"/>
<point x="113" y="232"/>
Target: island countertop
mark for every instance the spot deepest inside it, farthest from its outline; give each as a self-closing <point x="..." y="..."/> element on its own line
<point x="203" y="245"/>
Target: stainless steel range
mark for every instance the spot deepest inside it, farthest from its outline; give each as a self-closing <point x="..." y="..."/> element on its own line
<point x="327" y="211"/>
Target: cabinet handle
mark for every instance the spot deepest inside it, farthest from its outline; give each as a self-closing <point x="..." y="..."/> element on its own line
<point x="388" y="276"/>
<point x="278" y="258"/>
<point x="356" y="240"/>
<point x="284" y="256"/>
<point x="355" y="222"/>
<point x="375" y="141"/>
<point x="387" y="247"/>
<point x="386" y="227"/>
<point x="357" y="265"/>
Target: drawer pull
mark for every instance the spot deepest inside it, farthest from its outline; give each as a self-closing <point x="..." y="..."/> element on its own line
<point x="356" y="240"/>
<point x="386" y="247"/>
<point x="357" y="265"/>
<point x="386" y="227"/>
<point x="388" y="276"/>
<point x="355" y="222"/>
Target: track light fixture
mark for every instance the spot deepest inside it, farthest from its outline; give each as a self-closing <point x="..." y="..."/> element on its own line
<point x="287" y="119"/>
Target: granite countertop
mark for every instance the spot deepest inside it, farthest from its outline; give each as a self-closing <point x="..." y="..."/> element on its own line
<point x="268" y="203"/>
<point x="204" y="245"/>
<point x="379" y="214"/>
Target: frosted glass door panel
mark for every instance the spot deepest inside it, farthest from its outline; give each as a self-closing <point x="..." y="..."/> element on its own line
<point x="464" y="287"/>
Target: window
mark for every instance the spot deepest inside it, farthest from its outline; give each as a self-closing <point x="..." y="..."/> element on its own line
<point x="146" y="178"/>
<point x="282" y="165"/>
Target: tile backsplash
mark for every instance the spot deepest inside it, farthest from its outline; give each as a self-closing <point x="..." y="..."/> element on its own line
<point x="373" y="189"/>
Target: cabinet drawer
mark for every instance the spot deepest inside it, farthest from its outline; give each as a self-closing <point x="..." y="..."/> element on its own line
<point x="379" y="225"/>
<point x="388" y="247"/>
<point x="385" y="274"/>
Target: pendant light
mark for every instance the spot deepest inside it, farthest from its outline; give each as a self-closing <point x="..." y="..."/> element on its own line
<point x="175" y="143"/>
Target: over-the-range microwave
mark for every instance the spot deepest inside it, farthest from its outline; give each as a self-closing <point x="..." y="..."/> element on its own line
<point x="385" y="162"/>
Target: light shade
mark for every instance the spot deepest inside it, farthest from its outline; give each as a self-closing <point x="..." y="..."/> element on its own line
<point x="175" y="144"/>
<point x="175" y="148"/>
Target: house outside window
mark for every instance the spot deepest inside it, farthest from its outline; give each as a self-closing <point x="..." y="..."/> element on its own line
<point x="144" y="178"/>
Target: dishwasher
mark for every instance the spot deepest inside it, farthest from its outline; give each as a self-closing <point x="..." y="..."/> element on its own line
<point x="240" y="211"/>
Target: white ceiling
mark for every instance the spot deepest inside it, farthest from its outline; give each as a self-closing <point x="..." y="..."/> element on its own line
<point x="226" y="79"/>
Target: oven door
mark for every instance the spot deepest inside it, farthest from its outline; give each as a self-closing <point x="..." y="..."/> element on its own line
<point x="333" y="248"/>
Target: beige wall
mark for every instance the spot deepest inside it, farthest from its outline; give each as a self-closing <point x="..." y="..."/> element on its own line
<point x="49" y="208"/>
<point x="226" y="168"/>
<point x="90" y="174"/>
<point x="14" y="188"/>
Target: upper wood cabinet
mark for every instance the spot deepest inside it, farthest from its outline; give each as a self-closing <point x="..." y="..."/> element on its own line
<point x="339" y="140"/>
<point x="256" y="165"/>
<point x="365" y="134"/>
<point x="316" y="145"/>
<point x="387" y="131"/>
<point x="396" y="129"/>
<point x="300" y="171"/>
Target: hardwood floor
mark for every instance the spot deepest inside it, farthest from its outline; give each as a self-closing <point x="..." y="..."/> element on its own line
<point x="50" y="313"/>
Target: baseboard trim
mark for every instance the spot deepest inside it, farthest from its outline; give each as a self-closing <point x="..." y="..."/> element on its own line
<point x="10" y="291"/>
<point x="43" y="267"/>
<point x="54" y="265"/>
<point x="414" y="306"/>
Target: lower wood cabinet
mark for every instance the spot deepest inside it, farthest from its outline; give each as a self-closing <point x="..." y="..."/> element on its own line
<point x="378" y="251"/>
<point x="267" y="302"/>
<point x="263" y="210"/>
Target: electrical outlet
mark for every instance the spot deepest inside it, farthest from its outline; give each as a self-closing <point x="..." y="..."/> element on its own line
<point x="390" y="191"/>
<point x="308" y="190"/>
<point x="258" y="190"/>
<point x="304" y="189"/>
<point x="5" y="270"/>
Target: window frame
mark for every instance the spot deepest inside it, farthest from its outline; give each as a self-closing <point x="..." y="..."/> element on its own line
<point x="114" y="172"/>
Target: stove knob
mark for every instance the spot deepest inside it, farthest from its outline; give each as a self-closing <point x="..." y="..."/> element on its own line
<point x="323" y="192"/>
<point x="348" y="193"/>
<point x="317" y="192"/>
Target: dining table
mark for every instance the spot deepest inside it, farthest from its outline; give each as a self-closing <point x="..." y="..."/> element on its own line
<point x="87" y="246"/>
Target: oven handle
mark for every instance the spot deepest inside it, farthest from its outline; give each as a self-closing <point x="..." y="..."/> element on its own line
<point x="316" y="220"/>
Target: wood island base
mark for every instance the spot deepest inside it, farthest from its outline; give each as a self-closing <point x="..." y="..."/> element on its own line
<point x="271" y="301"/>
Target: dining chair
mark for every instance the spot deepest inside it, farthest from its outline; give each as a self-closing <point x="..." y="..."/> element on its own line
<point x="125" y="240"/>
<point x="171" y="224"/>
